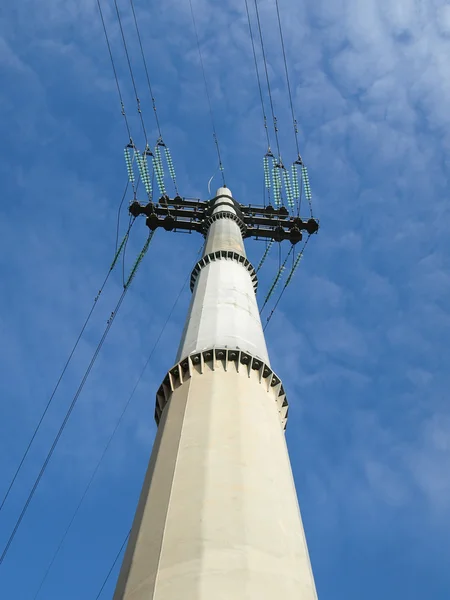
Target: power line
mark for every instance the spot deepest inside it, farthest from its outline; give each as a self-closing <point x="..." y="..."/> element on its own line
<point x="113" y="565"/>
<point x="111" y="437"/>
<point x="294" y="120"/>
<point x="216" y="141"/>
<point x="129" y="532"/>
<point x="275" y="126"/>
<point x="74" y="401"/>
<point x="35" y="432"/>
<point x="114" y="69"/>
<point x="131" y="70"/>
<point x="61" y="429"/>
<point x="123" y="254"/>
<point x="257" y="75"/>
<point x="146" y="69"/>
<point x="118" y="215"/>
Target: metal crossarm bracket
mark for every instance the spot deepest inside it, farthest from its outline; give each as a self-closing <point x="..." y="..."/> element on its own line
<point x="181" y="214"/>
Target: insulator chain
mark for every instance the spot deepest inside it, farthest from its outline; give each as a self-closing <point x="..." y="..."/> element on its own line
<point x="139" y="260"/>
<point x="171" y="168"/>
<point x="119" y="250"/>
<point x="306" y="186"/>
<point x="288" y="188"/>
<point x="294" y="268"/>
<point x="264" y="256"/>
<point x="144" y="172"/>
<point x="285" y="183"/>
<point x="288" y="279"/>
<point x="276" y="281"/>
<point x="277" y="184"/>
<point x="295" y="181"/>
<point x="159" y="169"/>
<point x="129" y="164"/>
<point x="274" y="285"/>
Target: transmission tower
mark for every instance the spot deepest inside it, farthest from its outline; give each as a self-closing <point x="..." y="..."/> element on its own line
<point x="218" y="517"/>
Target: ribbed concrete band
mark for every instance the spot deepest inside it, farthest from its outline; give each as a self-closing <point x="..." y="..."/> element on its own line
<point x="225" y="359"/>
<point x="227" y="255"/>
<point x="224" y="214"/>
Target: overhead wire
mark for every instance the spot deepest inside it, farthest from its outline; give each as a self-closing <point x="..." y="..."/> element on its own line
<point x="160" y="141"/>
<point x="146" y="69"/>
<point x="129" y="532"/>
<point x="105" y="581"/>
<point x="73" y="403"/>
<point x="111" y="437"/>
<point x="131" y="71"/>
<point x="118" y="215"/>
<point x="114" y="70"/>
<point x="61" y="429"/>
<point x="124" y="252"/>
<point x="66" y="365"/>
<point x="275" y="125"/>
<point x="257" y="75"/>
<point x="216" y="140"/>
<point x="294" y="120"/>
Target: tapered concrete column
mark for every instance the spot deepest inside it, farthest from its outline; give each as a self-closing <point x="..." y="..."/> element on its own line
<point x="223" y="310"/>
<point x="218" y="517"/>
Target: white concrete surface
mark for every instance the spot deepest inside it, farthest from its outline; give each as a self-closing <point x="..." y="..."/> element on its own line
<point x="218" y="517"/>
<point x="223" y="310"/>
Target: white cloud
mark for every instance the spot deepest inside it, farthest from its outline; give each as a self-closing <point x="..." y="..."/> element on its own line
<point x="360" y="338"/>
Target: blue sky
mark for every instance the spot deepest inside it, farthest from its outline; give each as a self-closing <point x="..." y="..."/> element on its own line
<point x="360" y="338"/>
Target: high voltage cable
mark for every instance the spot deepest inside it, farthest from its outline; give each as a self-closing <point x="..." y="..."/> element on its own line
<point x="123" y="255"/>
<point x="114" y="69"/>
<point x="61" y="429"/>
<point x="160" y="139"/>
<point x="36" y="430"/>
<point x="267" y="78"/>
<point x="294" y="120"/>
<point x="71" y="407"/>
<point x="131" y="70"/>
<point x="118" y="215"/>
<point x="113" y="565"/>
<point x="111" y="437"/>
<point x="216" y="141"/>
<point x="129" y="532"/>
<point x="294" y="267"/>
<point x="257" y="74"/>
<point x="146" y="69"/>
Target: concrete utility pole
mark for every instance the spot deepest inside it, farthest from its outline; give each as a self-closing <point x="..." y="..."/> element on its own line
<point x="218" y="517"/>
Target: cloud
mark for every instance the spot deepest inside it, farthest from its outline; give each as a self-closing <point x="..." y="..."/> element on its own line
<point x="360" y="337"/>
